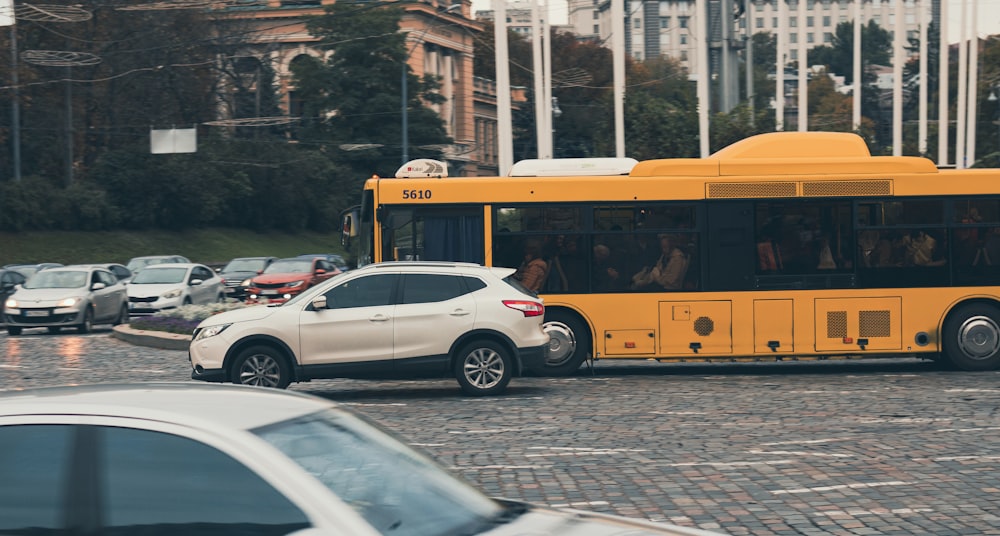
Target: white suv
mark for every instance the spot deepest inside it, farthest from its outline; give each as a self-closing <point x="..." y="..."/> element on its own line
<point x="388" y="320"/>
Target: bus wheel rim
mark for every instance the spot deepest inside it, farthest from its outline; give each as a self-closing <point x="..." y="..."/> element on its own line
<point x="562" y="343"/>
<point x="979" y="337"/>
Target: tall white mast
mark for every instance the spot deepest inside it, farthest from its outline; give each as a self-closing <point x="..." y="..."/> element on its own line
<point x="505" y="130"/>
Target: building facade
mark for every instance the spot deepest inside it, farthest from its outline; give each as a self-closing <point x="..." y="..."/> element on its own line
<point x="669" y="27"/>
<point x="439" y="39"/>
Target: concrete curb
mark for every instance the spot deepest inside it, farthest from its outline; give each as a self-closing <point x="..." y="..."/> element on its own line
<point x="152" y="339"/>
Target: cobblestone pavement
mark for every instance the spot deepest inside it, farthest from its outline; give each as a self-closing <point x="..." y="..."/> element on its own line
<point x="876" y="447"/>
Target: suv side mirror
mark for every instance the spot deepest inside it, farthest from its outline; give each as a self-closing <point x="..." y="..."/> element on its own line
<point x="319" y="302"/>
<point x="97" y="286"/>
<point x="195" y="282"/>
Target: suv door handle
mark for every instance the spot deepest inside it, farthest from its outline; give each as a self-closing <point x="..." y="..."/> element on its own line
<point x="459" y="312"/>
<point x="379" y="318"/>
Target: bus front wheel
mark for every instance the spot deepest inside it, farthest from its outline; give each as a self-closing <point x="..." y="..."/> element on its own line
<point x="569" y="343"/>
<point x="971" y="337"/>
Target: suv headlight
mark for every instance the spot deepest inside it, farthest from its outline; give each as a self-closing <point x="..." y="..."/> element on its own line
<point x="294" y="284"/>
<point x="211" y="331"/>
<point x="172" y="294"/>
<point x="11" y="303"/>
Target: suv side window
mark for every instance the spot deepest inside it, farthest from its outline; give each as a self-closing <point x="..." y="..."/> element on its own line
<point x="474" y="283"/>
<point x="34" y="460"/>
<point x="189" y="487"/>
<point x="429" y="288"/>
<point x="368" y="291"/>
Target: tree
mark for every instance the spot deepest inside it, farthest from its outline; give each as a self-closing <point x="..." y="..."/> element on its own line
<point x="155" y="69"/>
<point x="661" y="118"/>
<point x="838" y="57"/>
<point x="354" y="96"/>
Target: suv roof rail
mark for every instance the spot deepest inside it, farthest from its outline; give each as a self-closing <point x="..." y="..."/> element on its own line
<point x="389" y="264"/>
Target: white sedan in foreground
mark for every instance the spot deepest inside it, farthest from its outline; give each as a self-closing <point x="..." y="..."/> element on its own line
<point x="203" y="459"/>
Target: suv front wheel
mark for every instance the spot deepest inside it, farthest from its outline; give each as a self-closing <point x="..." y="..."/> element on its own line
<point x="483" y="368"/>
<point x="261" y="366"/>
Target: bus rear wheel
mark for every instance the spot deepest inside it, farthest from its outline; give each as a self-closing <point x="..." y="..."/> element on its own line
<point x="971" y="337"/>
<point x="569" y="343"/>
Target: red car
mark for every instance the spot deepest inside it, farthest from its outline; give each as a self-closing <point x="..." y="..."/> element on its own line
<point x="285" y="278"/>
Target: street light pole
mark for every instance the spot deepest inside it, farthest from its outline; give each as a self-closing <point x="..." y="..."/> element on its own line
<point x="405" y="91"/>
<point x="406" y="137"/>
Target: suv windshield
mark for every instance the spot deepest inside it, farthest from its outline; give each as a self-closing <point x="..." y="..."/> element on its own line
<point x="397" y="490"/>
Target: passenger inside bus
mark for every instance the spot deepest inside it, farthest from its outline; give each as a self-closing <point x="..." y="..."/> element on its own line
<point x="533" y="270"/>
<point x="605" y="276"/>
<point x="667" y="273"/>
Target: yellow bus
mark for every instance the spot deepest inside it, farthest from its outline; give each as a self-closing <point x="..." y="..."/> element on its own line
<point x="780" y="246"/>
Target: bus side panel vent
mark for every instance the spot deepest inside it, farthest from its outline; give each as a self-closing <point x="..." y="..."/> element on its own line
<point x="727" y="190"/>
<point x="874" y="324"/>
<point x="846" y="188"/>
<point x="836" y="324"/>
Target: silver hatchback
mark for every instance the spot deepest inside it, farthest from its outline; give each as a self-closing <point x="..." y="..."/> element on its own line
<point x="72" y="296"/>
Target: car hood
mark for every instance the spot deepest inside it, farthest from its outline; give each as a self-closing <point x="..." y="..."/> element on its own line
<point x="539" y="520"/>
<point x="271" y="279"/>
<point x="41" y="296"/>
<point x="141" y="290"/>
<point x="237" y="275"/>
<point x="243" y="314"/>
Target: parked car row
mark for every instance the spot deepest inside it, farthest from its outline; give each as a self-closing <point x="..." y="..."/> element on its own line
<point x="157" y="282"/>
<point x="81" y="295"/>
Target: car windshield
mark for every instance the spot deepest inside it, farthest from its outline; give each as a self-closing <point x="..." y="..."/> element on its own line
<point x="244" y="265"/>
<point x="397" y="490"/>
<point x="61" y="279"/>
<point x="290" y="266"/>
<point x="154" y="276"/>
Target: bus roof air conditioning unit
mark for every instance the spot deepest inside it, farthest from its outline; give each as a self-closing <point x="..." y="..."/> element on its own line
<point x="422" y="168"/>
<point x="569" y="167"/>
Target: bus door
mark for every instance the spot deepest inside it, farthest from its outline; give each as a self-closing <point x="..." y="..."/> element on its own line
<point x="731" y="257"/>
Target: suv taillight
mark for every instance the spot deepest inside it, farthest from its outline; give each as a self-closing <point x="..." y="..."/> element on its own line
<point x="529" y="308"/>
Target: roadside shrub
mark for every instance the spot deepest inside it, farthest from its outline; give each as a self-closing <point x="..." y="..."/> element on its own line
<point x="183" y="319"/>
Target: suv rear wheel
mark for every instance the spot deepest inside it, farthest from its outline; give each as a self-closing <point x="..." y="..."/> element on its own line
<point x="261" y="366"/>
<point x="483" y="368"/>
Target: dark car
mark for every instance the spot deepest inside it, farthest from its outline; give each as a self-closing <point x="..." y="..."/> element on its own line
<point x="8" y="280"/>
<point x="236" y="274"/>
<point x="337" y="260"/>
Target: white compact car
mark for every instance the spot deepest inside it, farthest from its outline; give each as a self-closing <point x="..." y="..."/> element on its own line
<point x="388" y="320"/>
<point x="70" y="296"/>
<point x="188" y="459"/>
<point x="166" y="286"/>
